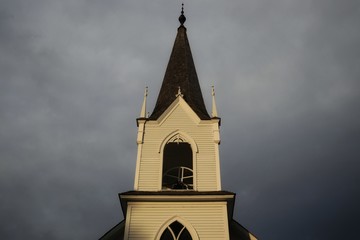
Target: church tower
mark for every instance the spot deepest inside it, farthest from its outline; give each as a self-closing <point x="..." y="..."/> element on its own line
<point x="177" y="189"/>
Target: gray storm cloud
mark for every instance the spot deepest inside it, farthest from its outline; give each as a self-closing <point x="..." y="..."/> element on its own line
<point x="286" y="73"/>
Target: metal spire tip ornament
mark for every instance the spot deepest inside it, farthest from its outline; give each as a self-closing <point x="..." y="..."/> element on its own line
<point x="182" y="17"/>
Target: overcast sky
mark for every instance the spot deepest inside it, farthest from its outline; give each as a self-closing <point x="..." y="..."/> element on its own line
<point x="286" y="74"/>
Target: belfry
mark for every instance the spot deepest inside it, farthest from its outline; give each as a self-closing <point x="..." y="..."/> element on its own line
<point x="177" y="189"/>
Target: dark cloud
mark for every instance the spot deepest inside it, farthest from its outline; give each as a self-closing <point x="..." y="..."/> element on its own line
<point x="72" y="74"/>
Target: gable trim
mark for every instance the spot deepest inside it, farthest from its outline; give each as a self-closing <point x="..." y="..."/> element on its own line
<point x="179" y="101"/>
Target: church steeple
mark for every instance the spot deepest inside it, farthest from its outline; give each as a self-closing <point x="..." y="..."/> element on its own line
<point x="177" y="189"/>
<point x="181" y="73"/>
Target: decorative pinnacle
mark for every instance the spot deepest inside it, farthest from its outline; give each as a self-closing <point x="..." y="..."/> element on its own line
<point x="143" y="109"/>
<point x="182" y="17"/>
<point x="179" y="93"/>
<point x="214" y="112"/>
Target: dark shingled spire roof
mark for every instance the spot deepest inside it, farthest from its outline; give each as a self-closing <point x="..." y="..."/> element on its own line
<point x="181" y="73"/>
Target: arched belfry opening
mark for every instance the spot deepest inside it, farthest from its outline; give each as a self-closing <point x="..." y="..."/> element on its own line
<point x="177" y="170"/>
<point x="176" y="231"/>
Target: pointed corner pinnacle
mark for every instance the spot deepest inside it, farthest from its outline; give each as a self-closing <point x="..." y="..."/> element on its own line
<point x="143" y="109"/>
<point x="182" y="17"/>
<point x="214" y="112"/>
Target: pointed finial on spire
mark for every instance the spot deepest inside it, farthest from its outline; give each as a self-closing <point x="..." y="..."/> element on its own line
<point x="182" y="17"/>
<point x="214" y="110"/>
<point x="143" y="109"/>
<point x="179" y="92"/>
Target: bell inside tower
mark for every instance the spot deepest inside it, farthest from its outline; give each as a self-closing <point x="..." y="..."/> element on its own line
<point x="177" y="166"/>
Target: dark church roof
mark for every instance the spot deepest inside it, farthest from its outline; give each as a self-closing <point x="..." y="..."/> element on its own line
<point x="181" y="73"/>
<point x="116" y="233"/>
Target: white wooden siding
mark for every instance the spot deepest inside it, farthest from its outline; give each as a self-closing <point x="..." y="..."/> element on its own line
<point x="180" y="118"/>
<point x="145" y="219"/>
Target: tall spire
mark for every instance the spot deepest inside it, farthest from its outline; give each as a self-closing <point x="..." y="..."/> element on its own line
<point x="180" y="73"/>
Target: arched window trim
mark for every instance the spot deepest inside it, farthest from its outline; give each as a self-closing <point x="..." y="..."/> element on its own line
<point x="186" y="138"/>
<point x="182" y="135"/>
<point x="185" y="223"/>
